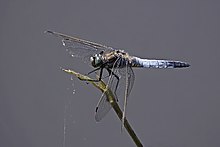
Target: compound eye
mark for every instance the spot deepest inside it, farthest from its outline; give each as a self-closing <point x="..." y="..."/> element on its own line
<point x="92" y="59"/>
<point x="97" y="60"/>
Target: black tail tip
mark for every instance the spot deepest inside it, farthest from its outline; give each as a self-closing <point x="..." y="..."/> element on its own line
<point x="188" y="65"/>
<point x="181" y="64"/>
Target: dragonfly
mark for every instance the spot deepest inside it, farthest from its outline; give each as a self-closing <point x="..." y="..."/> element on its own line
<point x="118" y="64"/>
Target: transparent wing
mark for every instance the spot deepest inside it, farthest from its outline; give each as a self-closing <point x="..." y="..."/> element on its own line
<point x="104" y="106"/>
<point x="131" y="78"/>
<point x="129" y="82"/>
<point x="126" y="84"/>
<point x="80" y="48"/>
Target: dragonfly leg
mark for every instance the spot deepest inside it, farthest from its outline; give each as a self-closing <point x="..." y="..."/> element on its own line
<point x="100" y="76"/>
<point x="117" y="77"/>
<point x="94" y="70"/>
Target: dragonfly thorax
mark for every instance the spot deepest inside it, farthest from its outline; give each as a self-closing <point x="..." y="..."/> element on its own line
<point x="96" y="60"/>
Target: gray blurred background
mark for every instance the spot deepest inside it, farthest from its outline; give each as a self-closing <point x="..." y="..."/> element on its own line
<point x="167" y="108"/>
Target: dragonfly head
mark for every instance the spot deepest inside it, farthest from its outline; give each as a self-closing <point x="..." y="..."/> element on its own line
<point x="96" y="60"/>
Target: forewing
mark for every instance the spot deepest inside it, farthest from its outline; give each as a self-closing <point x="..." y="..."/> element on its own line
<point x="80" y="48"/>
<point x="102" y="108"/>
